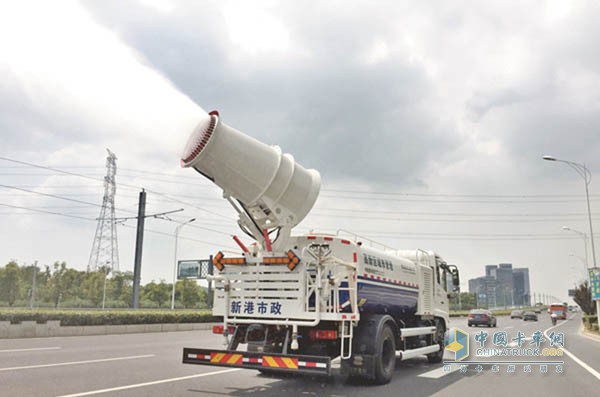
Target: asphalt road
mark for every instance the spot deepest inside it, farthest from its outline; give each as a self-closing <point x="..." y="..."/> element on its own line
<point x="150" y="365"/>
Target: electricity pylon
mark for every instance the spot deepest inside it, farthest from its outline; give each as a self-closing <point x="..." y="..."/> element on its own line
<point x="105" y="250"/>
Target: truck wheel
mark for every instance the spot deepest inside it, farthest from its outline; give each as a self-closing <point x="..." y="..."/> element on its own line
<point x="385" y="360"/>
<point x="438" y="338"/>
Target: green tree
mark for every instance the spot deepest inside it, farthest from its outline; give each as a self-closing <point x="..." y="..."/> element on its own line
<point x="189" y="293"/>
<point x="93" y="287"/>
<point x="158" y="293"/>
<point x="27" y="274"/>
<point x="584" y="299"/>
<point x="57" y="289"/>
<point x="10" y="283"/>
<point x="466" y="302"/>
<point x="120" y="287"/>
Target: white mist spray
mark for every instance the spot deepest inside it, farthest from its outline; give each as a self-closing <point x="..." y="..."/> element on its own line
<point x="70" y="68"/>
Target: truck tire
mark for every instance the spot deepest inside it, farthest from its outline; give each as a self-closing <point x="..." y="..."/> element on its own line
<point x="438" y="337"/>
<point x="385" y="360"/>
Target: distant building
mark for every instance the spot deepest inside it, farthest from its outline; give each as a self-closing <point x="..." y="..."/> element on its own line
<point x="521" y="292"/>
<point x="502" y="286"/>
<point x="490" y="270"/>
<point x="477" y="287"/>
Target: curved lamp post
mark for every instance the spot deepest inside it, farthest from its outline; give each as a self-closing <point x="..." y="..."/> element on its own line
<point x="585" y="271"/>
<point x="584" y="236"/>
<point x="583" y="172"/>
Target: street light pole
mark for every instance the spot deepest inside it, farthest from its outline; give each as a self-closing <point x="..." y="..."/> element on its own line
<point x="175" y="259"/>
<point x="104" y="288"/>
<point x="32" y="301"/>
<point x="585" y="271"/>
<point x="582" y="170"/>
<point x="584" y="236"/>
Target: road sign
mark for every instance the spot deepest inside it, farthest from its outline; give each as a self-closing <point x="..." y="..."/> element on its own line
<point x="571" y="292"/>
<point x="193" y="269"/>
<point x="595" y="282"/>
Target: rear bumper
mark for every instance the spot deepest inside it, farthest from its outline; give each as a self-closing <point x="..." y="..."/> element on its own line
<point x="316" y="365"/>
<point x="479" y="322"/>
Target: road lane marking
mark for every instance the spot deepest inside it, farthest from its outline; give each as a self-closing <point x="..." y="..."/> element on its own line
<point x="508" y="327"/>
<point x="584" y="365"/>
<point x="439" y="372"/>
<point x="30" y="350"/>
<point x="156" y="382"/>
<point x="571" y="355"/>
<point x="102" y="360"/>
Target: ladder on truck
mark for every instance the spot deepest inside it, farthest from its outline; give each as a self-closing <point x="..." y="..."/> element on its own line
<point x="337" y="273"/>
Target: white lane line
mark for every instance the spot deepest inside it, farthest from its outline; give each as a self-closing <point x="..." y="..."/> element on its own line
<point x="508" y="327"/>
<point x="102" y="360"/>
<point x="156" y="382"/>
<point x="439" y="372"/>
<point x="30" y="350"/>
<point x="584" y="365"/>
<point x="574" y="357"/>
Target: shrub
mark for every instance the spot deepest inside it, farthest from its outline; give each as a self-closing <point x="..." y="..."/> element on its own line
<point x="590" y="322"/>
<point x="106" y="317"/>
<point x="77" y="302"/>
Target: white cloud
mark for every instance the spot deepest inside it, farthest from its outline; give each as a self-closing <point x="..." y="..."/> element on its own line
<point x="254" y="29"/>
<point x="71" y="69"/>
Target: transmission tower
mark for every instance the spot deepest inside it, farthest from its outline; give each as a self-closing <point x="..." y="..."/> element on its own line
<point x="105" y="250"/>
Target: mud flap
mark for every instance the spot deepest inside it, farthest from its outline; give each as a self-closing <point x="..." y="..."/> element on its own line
<point x="360" y="365"/>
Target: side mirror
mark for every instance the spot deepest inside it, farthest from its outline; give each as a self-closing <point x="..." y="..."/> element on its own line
<point x="455" y="278"/>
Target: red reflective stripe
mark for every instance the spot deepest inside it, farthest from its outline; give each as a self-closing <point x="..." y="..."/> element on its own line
<point x="328" y="238"/>
<point x="355" y="257"/>
<point x="345" y="242"/>
<point x="311" y="237"/>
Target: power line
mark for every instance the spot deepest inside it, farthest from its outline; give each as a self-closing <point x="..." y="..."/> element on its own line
<point x="352" y="210"/>
<point x="94" y="220"/>
<point x="55" y="196"/>
<point x="465" y="237"/>
<point x="213" y="244"/>
<point x="325" y="190"/>
<point x="420" y="200"/>
<point x="396" y="219"/>
<point x="120" y="184"/>
<point x="448" y="194"/>
<point x="47" y="212"/>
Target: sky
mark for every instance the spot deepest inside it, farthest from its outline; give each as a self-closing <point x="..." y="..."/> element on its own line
<point x="427" y="123"/>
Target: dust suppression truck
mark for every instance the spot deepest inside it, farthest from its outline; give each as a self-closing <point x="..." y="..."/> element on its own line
<point x="294" y="303"/>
